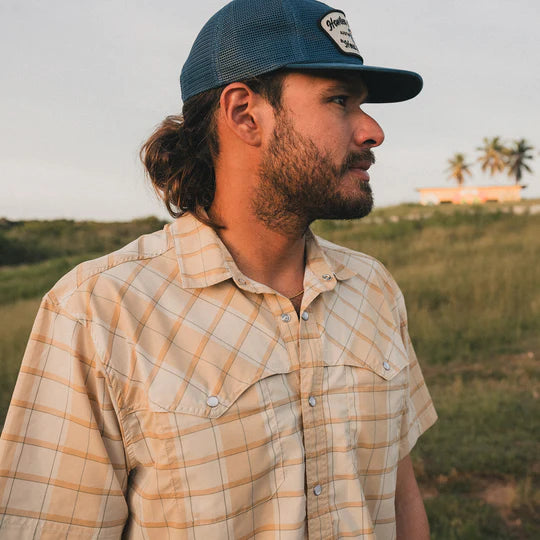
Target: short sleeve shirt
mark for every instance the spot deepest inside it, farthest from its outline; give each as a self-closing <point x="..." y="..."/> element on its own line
<point x="164" y="394"/>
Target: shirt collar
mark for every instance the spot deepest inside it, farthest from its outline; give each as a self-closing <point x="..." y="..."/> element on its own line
<point x="204" y="260"/>
<point x="322" y="258"/>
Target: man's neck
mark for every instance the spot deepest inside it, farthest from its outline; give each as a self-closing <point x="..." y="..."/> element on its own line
<point x="264" y="255"/>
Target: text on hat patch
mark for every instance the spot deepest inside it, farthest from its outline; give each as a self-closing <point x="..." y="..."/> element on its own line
<point x="336" y="26"/>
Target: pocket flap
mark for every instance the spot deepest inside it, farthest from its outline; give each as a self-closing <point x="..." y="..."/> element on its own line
<point x="209" y="386"/>
<point x="378" y="348"/>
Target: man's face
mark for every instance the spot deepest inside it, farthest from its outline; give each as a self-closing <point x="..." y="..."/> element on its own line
<point x="315" y="163"/>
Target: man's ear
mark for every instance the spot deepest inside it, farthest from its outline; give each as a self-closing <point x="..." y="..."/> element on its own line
<point x="244" y="112"/>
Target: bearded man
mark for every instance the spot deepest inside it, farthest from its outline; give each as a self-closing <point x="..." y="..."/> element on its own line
<point x="233" y="376"/>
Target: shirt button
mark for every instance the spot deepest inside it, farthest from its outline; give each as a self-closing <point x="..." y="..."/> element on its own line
<point x="212" y="401"/>
<point x="312" y="401"/>
<point x="305" y="315"/>
<point x="286" y="317"/>
<point x="386" y="366"/>
<point x="317" y="490"/>
<point x="242" y="281"/>
<point x="327" y="277"/>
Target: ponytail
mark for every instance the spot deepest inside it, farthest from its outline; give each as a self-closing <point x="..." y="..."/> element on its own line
<point x="179" y="155"/>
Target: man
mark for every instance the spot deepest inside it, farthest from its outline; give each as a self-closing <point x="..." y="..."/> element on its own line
<point x="232" y="376"/>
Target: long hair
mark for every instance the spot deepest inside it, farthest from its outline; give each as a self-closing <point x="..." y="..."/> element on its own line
<point x="179" y="156"/>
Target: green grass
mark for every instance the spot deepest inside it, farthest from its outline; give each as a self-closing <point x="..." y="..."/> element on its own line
<point x="15" y="324"/>
<point x="31" y="280"/>
<point x="35" y="254"/>
<point x="471" y="280"/>
<point x="456" y="518"/>
<point x="33" y="241"/>
<point x="490" y="419"/>
<point x="487" y="436"/>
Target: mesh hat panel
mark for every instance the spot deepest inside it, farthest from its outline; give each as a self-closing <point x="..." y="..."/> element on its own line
<point x="248" y="38"/>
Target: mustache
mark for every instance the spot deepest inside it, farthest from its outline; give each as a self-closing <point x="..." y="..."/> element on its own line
<point x="355" y="159"/>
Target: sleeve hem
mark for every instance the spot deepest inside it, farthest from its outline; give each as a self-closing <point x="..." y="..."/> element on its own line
<point x="28" y="528"/>
<point x="428" y="418"/>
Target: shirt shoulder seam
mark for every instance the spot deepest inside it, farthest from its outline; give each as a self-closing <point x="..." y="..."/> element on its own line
<point x="102" y="269"/>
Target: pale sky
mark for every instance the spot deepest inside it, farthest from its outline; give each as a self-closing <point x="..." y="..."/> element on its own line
<point x="84" y="84"/>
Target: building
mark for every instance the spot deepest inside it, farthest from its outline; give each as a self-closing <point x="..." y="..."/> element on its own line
<point x="470" y="194"/>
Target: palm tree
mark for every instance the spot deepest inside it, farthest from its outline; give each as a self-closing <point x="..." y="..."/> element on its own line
<point x="458" y="168"/>
<point x="493" y="155"/>
<point x="516" y="158"/>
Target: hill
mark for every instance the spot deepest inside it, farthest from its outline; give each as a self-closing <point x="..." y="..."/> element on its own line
<point x="471" y="279"/>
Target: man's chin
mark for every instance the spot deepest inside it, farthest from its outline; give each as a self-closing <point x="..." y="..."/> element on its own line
<point x="354" y="206"/>
<point x="348" y="209"/>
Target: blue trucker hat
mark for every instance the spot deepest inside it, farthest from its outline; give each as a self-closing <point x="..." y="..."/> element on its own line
<point x="248" y="38"/>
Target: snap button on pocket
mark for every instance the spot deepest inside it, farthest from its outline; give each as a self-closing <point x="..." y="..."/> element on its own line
<point x="212" y="401"/>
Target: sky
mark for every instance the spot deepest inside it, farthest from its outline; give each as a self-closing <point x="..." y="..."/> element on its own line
<point x="85" y="83"/>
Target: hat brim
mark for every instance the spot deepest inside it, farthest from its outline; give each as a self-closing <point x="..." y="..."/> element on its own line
<point x="385" y="85"/>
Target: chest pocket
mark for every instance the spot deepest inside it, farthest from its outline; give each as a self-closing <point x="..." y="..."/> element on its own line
<point x="377" y="378"/>
<point x="214" y="457"/>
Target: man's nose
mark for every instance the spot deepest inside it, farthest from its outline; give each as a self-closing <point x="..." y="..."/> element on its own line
<point x="368" y="133"/>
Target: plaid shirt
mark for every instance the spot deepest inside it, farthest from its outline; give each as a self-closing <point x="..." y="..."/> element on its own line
<point x="164" y="394"/>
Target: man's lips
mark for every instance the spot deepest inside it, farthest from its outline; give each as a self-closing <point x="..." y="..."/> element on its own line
<point x="360" y="169"/>
<point x="364" y="165"/>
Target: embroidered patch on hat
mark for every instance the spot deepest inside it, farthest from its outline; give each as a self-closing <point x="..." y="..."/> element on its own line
<point x="335" y="24"/>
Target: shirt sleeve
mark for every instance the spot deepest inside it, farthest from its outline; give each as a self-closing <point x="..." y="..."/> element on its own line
<point x="420" y="412"/>
<point x="63" y="471"/>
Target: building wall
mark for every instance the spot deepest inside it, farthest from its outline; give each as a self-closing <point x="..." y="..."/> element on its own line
<point x="470" y="194"/>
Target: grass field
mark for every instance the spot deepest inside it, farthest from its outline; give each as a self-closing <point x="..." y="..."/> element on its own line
<point x="471" y="279"/>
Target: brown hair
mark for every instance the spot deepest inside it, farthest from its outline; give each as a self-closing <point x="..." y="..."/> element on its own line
<point x="179" y="155"/>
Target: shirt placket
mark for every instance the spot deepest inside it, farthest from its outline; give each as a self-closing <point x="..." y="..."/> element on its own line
<point x="315" y="438"/>
<point x="302" y="336"/>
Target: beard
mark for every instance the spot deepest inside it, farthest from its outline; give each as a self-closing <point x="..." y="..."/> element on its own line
<point x="299" y="183"/>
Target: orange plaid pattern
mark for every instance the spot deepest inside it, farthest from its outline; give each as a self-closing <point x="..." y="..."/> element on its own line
<point x="163" y="394"/>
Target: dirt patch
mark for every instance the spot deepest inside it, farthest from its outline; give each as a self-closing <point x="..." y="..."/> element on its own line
<point x="500" y="494"/>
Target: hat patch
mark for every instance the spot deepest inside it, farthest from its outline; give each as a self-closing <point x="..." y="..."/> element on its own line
<point x="336" y="26"/>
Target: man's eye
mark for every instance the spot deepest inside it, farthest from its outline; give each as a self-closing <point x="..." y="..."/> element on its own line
<point x="340" y="100"/>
